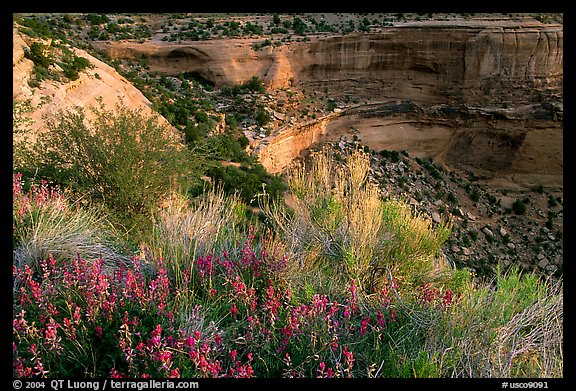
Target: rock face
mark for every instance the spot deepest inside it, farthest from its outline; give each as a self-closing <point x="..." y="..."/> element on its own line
<point x="476" y="95"/>
<point x="427" y="62"/>
<point x="100" y="83"/>
<point x="280" y="153"/>
<point x="21" y="67"/>
<point x="221" y="62"/>
<point x="467" y="65"/>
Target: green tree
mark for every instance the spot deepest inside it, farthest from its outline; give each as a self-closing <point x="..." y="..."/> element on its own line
<point x="299" y="26"/>
<point x="519" y="207"/>
<point x="254" y="85"/>
<point x="262" y="117"/>
<point x="96" y="19"/>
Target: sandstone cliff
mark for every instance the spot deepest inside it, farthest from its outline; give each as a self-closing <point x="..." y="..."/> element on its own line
<point x="481" y="95"/>
<point x="282" y="150"/>
<point x="21" y="68"/>
<point x="100" y="83"/>
<point x="222" y="62"/>
<point x="488" y="93"/>
<point x="427" y="62"/>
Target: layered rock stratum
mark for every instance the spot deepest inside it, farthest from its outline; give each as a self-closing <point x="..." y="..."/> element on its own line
<point x="100" y="83"/>
<point x="428" y="62"/>
<point x="478" y="95"/>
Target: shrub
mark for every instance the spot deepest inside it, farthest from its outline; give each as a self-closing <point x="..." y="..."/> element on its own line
<point x="201" y="117"/>
<point x="552" y="201"/>
<point x="262" y="117"/>
<point x="519" y="207"/>
<point x="394" y="156"/>
<point x="45" y="224"/>
<point x="182" y="231"/>
<point x="93" y="324"/>
<point x="119" y="158"/>
<point x="254" y="85"/>
<point x="243" y="141"/>
<point x="132" y="323"/>
<point x="72" y="65"/>
<point x="331" y="105"/>
<point x="37" y="54"/>
<point x="195" y="133"/>
<point x="225" y="147"/>
<point x="511" y="327"/>
<point x="474" y="194"/>
<point x="21" y="123"/>
<point x="97" y="19"/>
<point x="247" y="181"/>
<point x="299" y="26"/>
<point x="232" y="311"/>
<point x="36" y="27"/>
<point x="452" y="198"/>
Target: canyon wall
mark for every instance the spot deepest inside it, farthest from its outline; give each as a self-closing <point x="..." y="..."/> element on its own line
<point x="490" y="91"/>
<point x="100" y="83"/>
<point x="282" y="149"/>
<point x="522" y="146"/>
<point x="438" y="64"/>
<point x="428" y="62"/>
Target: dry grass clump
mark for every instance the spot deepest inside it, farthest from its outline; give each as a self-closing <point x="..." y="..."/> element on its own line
<point x="512" y="327"/>
<point x="45" y="224"/>
<point x="184" y="230"/>
<point x="341" y="226"/>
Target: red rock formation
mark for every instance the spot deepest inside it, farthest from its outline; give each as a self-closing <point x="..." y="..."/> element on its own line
<point x="483" y="81"/>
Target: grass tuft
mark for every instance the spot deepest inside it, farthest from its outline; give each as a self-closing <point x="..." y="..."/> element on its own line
<point x="46" y="224"/>
<point x="341" y="226"/>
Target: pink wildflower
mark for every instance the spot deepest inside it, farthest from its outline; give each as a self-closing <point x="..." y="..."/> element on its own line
<point x="325" y="372"/>
<point x="364" y="325"/>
